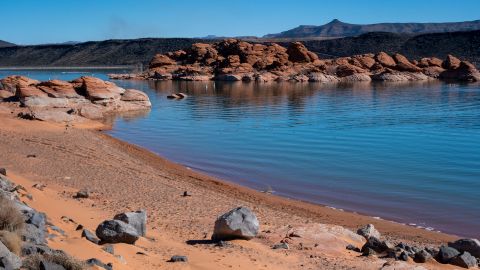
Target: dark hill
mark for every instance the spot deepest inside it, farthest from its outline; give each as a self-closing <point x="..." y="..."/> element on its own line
<point x="131" y="52"/>
<point x="337" y="28"/>
<point x="93" y="53"/>
<point x="465" y="45"/>
<point x="5" y="44"/>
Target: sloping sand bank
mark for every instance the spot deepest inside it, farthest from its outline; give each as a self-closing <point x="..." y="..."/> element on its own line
<point x="125" y="177"/>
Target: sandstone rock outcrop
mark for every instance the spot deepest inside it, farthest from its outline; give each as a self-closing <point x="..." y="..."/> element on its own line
<point x="62" y="101"/>
<point x="237" y="60"/>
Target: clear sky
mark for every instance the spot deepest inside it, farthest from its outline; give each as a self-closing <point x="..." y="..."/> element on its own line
<point x="53" y="21"/>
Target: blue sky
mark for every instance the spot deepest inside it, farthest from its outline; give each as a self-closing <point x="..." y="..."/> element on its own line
<point x="49" y="21"/>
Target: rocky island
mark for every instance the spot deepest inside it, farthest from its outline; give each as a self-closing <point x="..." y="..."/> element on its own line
<point x="237" y="60"/>
<point x="62" y="101"/>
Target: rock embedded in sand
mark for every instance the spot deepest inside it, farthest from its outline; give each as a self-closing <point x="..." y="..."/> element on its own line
<point x="446" y="254"/>
<point x="353" y="248"/>
<point x="280" y="246"/>
<point x="399" y="265"/>
<point x="465" y="260"/>
<point x="47" y="265"/>
<point x="377" y="245"/>
<point x="368" y="231"/>
<point x="178" y="258"/>
<point x="137" y="219"/>
<point x="90" y="236"/>
<point x="97" y="262"/>
<point x="469" y="245"/>
<point x="109" y="249"/>
<point x="82" y="194"/>
<point x="116" y="231"/>
<point x="238" y="223"/>
<point x="3" y="171"/>
<point x="8" y="259"/>
<point x="422" y="256"/>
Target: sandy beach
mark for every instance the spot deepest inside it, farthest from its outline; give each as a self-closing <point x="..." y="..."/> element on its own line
<point x="125" y="177"/>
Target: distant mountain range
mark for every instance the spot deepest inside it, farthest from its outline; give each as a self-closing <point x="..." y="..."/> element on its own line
<point x="337" y="28"/>
<point x="6" y="44"/>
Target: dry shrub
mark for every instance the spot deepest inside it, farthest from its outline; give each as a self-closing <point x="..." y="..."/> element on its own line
<point x="32" y="262"/>
<point x="10" y="217"/>
<point x="12" y="241"/>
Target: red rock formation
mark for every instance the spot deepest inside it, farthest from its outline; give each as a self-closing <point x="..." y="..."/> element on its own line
<point x="86" y="96"/>
<point x="11" y="83"/>
<point x="161" y="60"/>
<point x="58" y="89"/>
<point x="430" y="62"/>
<point x="385" y="60"/>
<point x="404" y="65"/>
<point x="233" y="59"/>
<point x="298" y="53"/>
<point x="465" y="71"/>
<point x="97" y="89"/>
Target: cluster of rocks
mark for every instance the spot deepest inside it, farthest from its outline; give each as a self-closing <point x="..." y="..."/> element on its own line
<point x="33" y="234"/>
<point x="463" y="252"/>
<point x="236" y="60"/>
<point x="63" y="101"/>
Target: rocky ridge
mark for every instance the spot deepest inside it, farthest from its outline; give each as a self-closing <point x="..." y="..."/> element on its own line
<point x="62" y="101"/>
<point x="236" y="60"/>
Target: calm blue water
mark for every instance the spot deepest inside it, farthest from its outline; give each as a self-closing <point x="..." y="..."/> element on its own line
<point x="403" y="152"/>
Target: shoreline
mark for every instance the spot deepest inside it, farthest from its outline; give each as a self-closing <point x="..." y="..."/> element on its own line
<point x="235" y="184"/>
<point x="203" y="179"/>
<point x="243" y="190"/>
<point x="126" y="177"/>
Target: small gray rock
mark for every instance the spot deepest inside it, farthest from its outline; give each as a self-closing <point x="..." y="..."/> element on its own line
<point x="32" y="234"/>
<point x="280" y="246"/>
<point x="97" y="262"/>
<point x="82" y="194"/>
<point x="368" y="252"/>
<point x="472" y="246"/>
<point x="109" y="249"/>
<point x="57" y="229"/>
<point x="116" y="231"/>
<point x="353" y="248"/>
<point x="31" y="249"/>
<point x="368" y="231"/>
<point x="446" y="254"/>
<point x="377" y="245"/>
<point x="137" y="220"/>
<point x="403" y="256"/>
<point x="37" y="219"/>
<point x="422" y="256"/>
<point x="178" y="258"/>
<point x="238" y="223"/>
<point x="3" y="171"/>
<point x="45" y="265"/>
<point x="8" y="259"/>
<point x="90" y="236"/>
<point x="432" y="251"/>
<point x="466" y="260"/>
